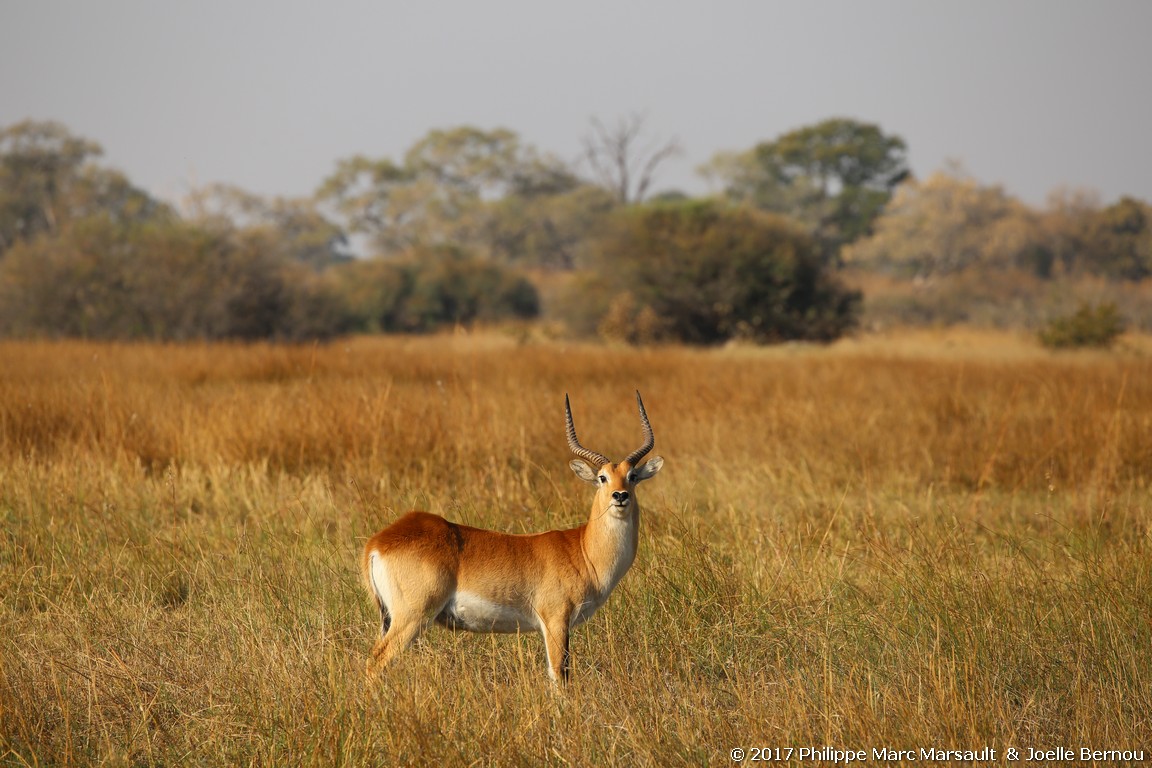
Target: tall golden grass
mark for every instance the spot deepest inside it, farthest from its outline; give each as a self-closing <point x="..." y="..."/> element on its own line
<point x="914" y="541"/>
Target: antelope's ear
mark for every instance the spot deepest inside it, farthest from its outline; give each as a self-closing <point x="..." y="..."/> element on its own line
<point x="648" y="468"/>
<point x="583" y="470"/>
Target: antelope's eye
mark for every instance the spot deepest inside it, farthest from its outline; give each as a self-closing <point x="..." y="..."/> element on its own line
<point x="603" y="478"/>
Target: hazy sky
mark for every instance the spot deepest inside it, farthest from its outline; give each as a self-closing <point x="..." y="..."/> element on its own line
<point x="1031" y="94"/>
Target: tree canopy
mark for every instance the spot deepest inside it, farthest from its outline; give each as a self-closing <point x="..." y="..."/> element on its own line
<point x="835" y="177"/>
<point x="49" y="177"/>
<point x="483" y="190"/>
<point x="944" y="224"/>
<point x="950" y="223"/>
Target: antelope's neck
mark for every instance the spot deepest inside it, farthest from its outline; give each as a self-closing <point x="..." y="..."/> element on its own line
<point x="610" y="546"/>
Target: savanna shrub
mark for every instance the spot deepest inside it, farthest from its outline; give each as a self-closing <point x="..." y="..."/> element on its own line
<point x="162" y="279"/>
<point x="428" y="288"/>
<point x="1088" y="326"/>
<point x="704" y="273"/>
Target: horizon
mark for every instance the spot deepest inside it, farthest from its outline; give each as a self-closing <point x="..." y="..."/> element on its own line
<point x="1030" y="97"/>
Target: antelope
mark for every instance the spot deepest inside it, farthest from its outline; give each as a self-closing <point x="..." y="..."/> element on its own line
<point x="424" y="568"/>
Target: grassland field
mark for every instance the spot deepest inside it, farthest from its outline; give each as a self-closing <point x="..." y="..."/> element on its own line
<point x="918" y="540"/>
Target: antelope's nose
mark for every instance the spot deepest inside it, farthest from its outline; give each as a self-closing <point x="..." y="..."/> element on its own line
<point x="620" y="497"/>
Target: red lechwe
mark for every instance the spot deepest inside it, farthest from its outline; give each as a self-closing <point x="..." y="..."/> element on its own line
<point x="424" y="568"/>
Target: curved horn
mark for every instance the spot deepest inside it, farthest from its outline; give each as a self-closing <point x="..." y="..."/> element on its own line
<point x="597" y="459"/>
<point x="649" y="438"/>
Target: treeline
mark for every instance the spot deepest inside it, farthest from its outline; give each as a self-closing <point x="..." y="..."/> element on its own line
<point x="85" y="253"/>
<point x="951" y="250"/>
<point x="474" y="226"/>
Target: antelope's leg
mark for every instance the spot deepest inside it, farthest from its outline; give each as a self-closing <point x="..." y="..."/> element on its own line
<point x="556" y="631"/>
<point x="404" y="630"/>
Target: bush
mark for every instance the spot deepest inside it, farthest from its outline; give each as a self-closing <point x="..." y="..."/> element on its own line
<point x="1089" y="326"/>
<point x="173" y="280"/>
<point x="625" y="321"/>
<point x="449" y="287"/>
<point x="704" y="273"/>
<point x="433" y="287"/>
<point x="166" y="280"/>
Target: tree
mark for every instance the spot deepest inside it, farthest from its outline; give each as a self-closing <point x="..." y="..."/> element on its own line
<point x="160" y="279"/>
<point x="1066" y="227"/>
<point x="705" y="273"/>
<point x="619" y="163"/>
<point x="950" y="223"/>
<point x="446" y="190"/>
<point x="546" y="231"/>
<point x="429" y="288"/>
<point x="467" y="163"/>
<point x="1084" y="237"/>
<point x="835" y="177"/>
<point x="1119" y="241"/>
<point x="448" y="288"/>
<point x="370" y="195"/>
<point x="48" y="178"/>
<point x="296" y="228"/>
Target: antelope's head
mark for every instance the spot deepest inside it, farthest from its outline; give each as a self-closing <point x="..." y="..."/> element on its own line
<point x="615" y="483"/>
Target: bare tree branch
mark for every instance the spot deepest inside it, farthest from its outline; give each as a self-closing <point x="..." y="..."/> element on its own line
<point x="619" y="164"/>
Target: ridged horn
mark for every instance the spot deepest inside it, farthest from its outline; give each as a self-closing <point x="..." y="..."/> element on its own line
<point x="649" y="438"/>
<point x="598" y="460"/>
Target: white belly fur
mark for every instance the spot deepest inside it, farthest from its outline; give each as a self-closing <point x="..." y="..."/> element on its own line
<point x="476" y="614"/>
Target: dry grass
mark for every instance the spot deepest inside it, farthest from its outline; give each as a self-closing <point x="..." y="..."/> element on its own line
<point x="907" y="541"/>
